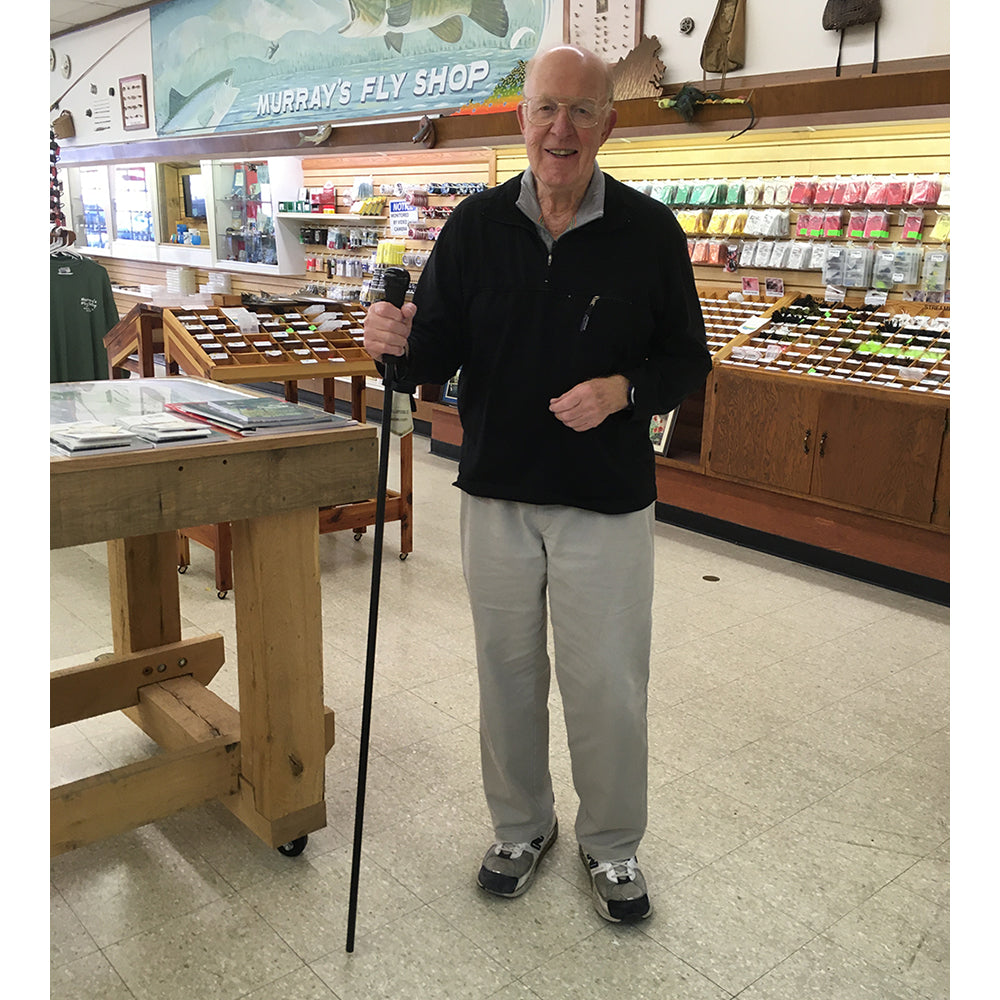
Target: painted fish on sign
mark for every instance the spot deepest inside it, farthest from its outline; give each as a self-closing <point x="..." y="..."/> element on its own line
<point x="223" y="65"/>
<point x="392" y="19"/>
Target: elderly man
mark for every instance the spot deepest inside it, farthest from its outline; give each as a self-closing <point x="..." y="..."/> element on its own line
<point x="566" y="301"/>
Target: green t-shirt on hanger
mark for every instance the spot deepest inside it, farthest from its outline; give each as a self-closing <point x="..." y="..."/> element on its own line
<point x="81" y="312"/>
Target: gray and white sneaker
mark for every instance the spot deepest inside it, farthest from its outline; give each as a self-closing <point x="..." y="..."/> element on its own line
<point x="618" y="889"/>
<point x="508" y="869"/>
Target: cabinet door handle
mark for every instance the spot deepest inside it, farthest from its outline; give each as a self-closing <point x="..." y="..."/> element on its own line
<point x="822" y="444"/>
<point x="805" y="441"/>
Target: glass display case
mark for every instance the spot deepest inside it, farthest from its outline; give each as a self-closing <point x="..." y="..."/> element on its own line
<point x="183" y="196"/>
<point x="134" y="189"/>
<point x="243" y="213"/>
<point x="89" y="209"/>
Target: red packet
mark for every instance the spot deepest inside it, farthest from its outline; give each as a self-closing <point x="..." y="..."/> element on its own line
<point x="815" y="223"/>
<point x="856" y="223"/>
<point x="926" y="191"/>
<point x="913" y="224"/>
<point x="825" y="189"/>
<point x="897" y="191"/>
<point x="833" y="223"/>
<point x="841" y="191"/>
<point x="857" y="191"/>
<point x="877" y="225"/>
<point x="877" y="192"/>
<point x="803" y="191"/>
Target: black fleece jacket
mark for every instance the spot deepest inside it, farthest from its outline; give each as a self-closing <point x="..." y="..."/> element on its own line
<point x="615" y="296"/>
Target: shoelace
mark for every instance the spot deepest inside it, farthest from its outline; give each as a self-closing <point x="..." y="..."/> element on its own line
<point x="617" y="871"/>
<point x="510" y="850"/>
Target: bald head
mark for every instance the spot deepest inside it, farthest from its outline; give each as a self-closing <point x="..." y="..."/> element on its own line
<point x="565" y="117"/>
<point x="571" y="59"/>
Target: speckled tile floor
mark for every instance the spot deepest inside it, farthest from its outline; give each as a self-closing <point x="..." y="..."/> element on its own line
<point x="798" y="844"/>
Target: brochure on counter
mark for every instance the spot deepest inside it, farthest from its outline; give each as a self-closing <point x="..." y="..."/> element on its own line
<point x="90" y="435"/>
<point x="128" y="434"/>
<point x="261" y="415"/>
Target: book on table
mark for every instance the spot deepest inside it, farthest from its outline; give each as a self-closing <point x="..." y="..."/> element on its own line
<point x="164" y="427"/>
<point x="261" y="415"/>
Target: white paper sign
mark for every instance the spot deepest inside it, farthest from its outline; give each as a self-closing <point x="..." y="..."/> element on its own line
<point x="401" y="216"/>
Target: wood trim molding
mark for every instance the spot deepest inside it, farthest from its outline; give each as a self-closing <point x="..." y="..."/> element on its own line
<point x="917" y="93"/>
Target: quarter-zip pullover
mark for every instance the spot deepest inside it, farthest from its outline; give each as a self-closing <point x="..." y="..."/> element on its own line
<point x="525" y="323"/>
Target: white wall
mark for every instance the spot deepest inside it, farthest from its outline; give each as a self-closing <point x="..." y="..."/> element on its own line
<point x="119" y="48"/>
<point x="781" y="36"/>
<point x="787" y="35"/>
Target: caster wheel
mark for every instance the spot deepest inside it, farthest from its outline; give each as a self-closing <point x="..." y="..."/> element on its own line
<point x="182" y="569"/>
<point x="402" y="556"/>
<point x="294" y="847"/>
<point x="222" y="594"/>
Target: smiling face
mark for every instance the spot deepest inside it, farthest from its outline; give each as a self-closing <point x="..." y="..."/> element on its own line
<point x="561" y="154"/>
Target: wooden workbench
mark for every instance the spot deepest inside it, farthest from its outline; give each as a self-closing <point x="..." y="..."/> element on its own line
<point x="266" y="761"/>
<point x="320" y="357"/>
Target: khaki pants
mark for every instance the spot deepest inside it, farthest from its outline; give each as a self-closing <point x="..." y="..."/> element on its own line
<point x="597" y="572"/>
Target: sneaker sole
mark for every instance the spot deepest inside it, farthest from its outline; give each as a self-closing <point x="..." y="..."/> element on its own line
<point x="632" y="918"/>
<point x="528" y="879"/>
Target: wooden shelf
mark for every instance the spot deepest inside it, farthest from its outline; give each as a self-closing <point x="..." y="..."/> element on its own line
<point x="332" y="218"/>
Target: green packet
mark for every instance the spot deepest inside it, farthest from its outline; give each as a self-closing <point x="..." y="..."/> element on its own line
<point x="914" y="353"/>
<point x="875" y="347"/>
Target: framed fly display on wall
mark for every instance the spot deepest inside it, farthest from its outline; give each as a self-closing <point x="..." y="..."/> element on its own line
<point x="135" y="111"/>
<point x="611" y="28"/>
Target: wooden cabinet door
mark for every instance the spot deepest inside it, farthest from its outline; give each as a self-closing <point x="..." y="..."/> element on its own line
<point x="942" y="496"/>
<point x="879" y="454"/>
<point x="763" y="430"/>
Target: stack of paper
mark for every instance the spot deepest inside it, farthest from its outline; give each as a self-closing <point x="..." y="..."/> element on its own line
<point x="84" y="435"/>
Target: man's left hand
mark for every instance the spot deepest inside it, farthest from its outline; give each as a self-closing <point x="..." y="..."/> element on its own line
<point x="586" y="405"/>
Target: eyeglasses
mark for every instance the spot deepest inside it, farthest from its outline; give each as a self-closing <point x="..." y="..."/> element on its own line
<point x="583" y="113"/>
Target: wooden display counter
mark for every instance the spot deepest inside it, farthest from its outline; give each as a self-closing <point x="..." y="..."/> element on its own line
<point x="266" y="761"/>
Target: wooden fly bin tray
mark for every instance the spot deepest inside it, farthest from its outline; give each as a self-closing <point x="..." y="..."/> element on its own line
<point x="260" y="344"/>
<point x="727" y="320"/>
<point x="883" y="348"/>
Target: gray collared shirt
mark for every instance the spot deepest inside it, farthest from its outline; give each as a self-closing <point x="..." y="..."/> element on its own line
<point x="592" y="206"/>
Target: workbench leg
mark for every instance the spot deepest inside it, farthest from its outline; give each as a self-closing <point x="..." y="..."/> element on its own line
<point x="145" y="594"/>
<point x="279" y="649"/>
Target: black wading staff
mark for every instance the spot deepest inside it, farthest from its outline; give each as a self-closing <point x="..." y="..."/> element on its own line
<point x="397" y="281"/>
